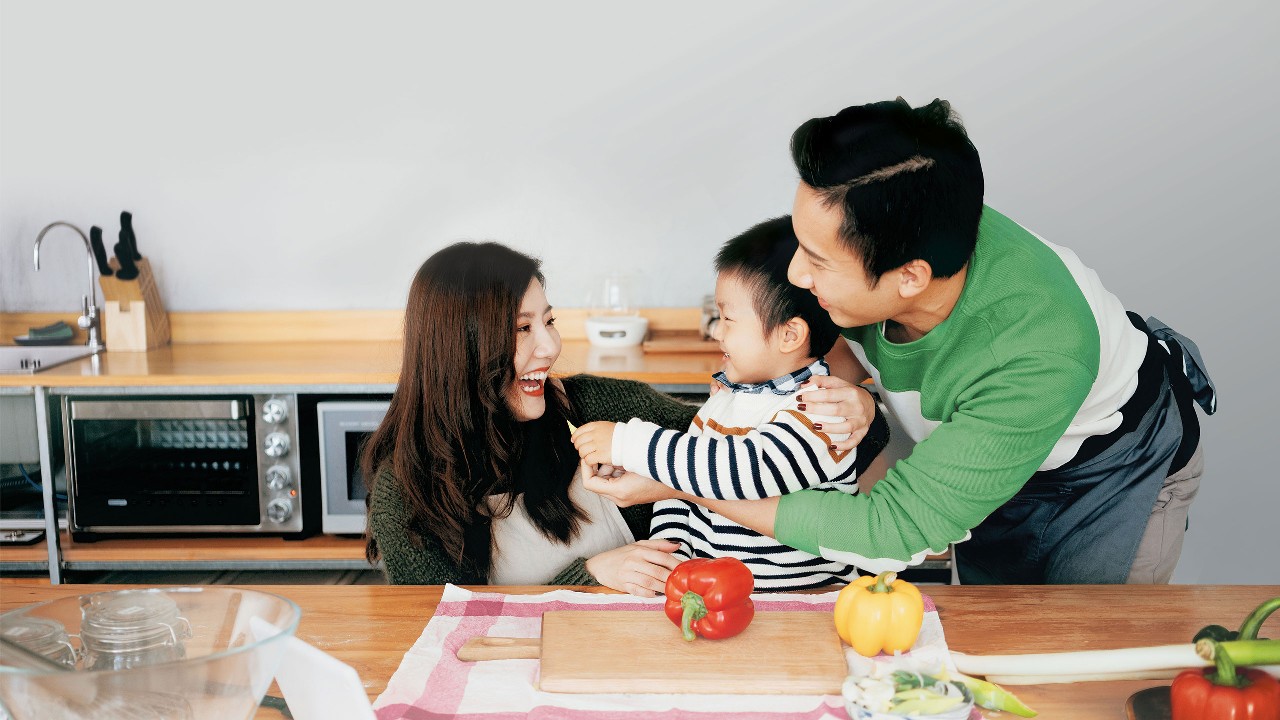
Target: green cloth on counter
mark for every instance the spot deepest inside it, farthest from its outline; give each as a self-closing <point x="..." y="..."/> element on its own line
<point x="591" y="398"/>
<point x="59" y="333"/>
<point x="60" y="330"/>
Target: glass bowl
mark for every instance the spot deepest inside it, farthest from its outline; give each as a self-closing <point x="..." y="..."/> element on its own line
<point x="149" y="654"/>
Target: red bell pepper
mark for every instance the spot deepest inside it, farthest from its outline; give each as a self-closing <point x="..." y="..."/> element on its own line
<point x="1222" y="692"/>
<point x="1251" y="694"/>
<point x="711" y="598"/>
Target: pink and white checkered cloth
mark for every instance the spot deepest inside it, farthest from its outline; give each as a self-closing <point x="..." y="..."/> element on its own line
<point x="432" y="684"/>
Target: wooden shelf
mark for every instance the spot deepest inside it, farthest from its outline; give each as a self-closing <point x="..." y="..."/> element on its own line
<point x="320" y="552"/>
<point x="16" y="558"/>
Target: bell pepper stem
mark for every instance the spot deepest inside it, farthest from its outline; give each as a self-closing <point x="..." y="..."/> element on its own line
<point x="695" y="608"/>
<point x="1225" y="674"/>
<point x="884" y="582"/>
<point x="1253" y="623"/>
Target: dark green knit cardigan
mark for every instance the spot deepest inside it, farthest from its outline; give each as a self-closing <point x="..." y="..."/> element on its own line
<point x="592" y="398"/>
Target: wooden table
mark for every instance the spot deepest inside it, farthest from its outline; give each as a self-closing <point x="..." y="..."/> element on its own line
<point x="371" y="627"/>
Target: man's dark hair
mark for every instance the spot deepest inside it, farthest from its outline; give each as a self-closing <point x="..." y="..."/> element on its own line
<point x="759" y="258"/>
<point x="908" y="180"/>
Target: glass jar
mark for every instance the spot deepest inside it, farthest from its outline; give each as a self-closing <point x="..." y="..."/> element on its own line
<point x="41" y="636"/>
<point x="710" y="317"/>
<point x="131" y="629"/>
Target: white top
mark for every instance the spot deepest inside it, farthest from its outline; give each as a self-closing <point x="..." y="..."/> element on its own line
<point x="522" y="555"/>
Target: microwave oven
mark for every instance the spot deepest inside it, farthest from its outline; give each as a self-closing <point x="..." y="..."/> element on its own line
<point x="343" y="428"/>
<point x="182" y="464"/>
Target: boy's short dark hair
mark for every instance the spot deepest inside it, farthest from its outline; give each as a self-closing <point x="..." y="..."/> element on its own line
<point x="908" y="180"/>
<point x="759" y="257"/>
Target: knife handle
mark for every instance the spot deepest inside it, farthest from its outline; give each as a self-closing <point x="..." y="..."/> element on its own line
<point x="482" y="647"/>
<point x="99" y="251"/>
<point x="127" y="271"/>
<point x="127" y="237"/>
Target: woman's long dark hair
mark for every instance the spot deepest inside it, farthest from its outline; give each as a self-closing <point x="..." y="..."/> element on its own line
<point x="449" y="438"/>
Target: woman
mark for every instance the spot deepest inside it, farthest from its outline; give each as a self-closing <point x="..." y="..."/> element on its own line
<point x="473" y="477"/>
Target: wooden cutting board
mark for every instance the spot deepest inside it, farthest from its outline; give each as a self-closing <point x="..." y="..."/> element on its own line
<point x="780" y="653"/>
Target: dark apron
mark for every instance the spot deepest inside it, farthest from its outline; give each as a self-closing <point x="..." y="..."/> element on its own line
<point x="1083" y="522"/>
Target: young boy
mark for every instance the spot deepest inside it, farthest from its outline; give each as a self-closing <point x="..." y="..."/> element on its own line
<point x="751" y="439"/>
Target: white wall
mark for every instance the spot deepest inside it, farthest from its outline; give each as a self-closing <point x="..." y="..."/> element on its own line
<point x="302" y="155"/>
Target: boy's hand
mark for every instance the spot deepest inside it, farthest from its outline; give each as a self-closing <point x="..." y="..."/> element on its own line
<point x="594" y="442"/>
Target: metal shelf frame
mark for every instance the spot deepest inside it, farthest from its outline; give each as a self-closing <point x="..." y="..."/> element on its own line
<point x="56" y="564"/>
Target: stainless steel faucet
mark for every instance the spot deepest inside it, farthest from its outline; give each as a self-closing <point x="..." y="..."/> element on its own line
<point x="88" y="319"/>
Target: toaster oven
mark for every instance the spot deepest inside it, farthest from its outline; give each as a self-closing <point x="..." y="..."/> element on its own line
<point x="182" y="464"/>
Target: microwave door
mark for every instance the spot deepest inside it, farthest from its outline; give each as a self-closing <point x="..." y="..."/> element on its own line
<point x="344" y="428"/>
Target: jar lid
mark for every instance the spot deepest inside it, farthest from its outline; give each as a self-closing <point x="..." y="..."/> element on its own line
<point x="129" y="613"/>
<point x="33" y="631"/>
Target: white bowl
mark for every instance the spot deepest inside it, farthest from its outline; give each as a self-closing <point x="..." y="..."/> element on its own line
<point x="616" y="330"/>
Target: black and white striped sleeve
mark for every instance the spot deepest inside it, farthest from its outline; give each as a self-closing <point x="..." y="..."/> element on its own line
<point x="779" y="457"/>
<point x="671" y="522"/>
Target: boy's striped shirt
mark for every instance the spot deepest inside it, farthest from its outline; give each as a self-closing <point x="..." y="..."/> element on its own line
<point x="746" y="442"/>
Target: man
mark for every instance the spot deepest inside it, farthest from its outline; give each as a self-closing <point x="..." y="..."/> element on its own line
<point x="1054" y="435"/>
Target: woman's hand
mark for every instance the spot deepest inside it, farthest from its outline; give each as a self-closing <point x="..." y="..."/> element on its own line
<point x="628" y="488"/>
<point x="832" y="396"/>
<point x="640" y="568"/>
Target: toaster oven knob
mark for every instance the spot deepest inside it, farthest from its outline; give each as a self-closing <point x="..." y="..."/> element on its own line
<point x="274" y="411"/>
<point x="279" y="510"/>
<point x="276" y="444"/>
<point x="278" y="477"/>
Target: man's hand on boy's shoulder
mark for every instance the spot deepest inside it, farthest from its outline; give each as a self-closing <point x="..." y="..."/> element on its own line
<point x="835" y="397"/>
<point x="594" y="441"/>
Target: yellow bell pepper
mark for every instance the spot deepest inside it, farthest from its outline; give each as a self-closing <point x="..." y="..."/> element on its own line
<point x="879" y="613"/>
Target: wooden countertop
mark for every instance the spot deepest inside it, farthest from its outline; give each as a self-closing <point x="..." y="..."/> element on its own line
<point x="299" y="348"/>
<point x="369" y="362"/>
<point x="224" y="364"/>
<point x="370" y="627"/>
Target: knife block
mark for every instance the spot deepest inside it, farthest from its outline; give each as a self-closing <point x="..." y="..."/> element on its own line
<point x="135" y="319"/>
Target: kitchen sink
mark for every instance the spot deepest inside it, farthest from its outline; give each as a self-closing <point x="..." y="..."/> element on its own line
<point x="28" y="360"/>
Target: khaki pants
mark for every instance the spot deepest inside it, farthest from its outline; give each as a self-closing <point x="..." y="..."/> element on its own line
<point x="1162" y="542"/>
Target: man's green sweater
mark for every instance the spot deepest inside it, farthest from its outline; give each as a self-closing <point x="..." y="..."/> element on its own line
<point x="1035" y="358"/>
<point x="416" y="558"/>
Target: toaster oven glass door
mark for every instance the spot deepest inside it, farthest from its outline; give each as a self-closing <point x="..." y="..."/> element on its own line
<point x="163" y="463"/>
